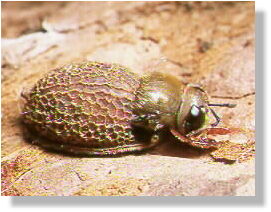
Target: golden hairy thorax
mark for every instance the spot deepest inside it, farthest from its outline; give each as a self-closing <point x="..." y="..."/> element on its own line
<point x="160" y="93"/>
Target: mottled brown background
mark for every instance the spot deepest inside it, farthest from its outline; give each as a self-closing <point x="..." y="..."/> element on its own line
<point x="208" y="43"/>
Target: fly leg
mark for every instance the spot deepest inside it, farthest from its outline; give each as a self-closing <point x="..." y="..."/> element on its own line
<point x="150" y="122"/>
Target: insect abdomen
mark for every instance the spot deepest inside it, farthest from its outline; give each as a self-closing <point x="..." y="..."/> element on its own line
<point x="84" y="104"/>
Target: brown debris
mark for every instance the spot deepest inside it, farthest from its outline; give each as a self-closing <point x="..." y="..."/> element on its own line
<point x="232" y="152"/>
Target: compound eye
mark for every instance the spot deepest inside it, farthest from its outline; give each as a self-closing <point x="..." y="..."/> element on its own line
<point x="195" y="119"/>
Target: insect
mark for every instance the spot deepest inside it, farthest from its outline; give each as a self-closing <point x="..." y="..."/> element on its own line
<point x="94" y="108"/>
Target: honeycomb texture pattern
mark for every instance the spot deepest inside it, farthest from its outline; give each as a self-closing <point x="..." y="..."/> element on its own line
<point x="86" y="104"/>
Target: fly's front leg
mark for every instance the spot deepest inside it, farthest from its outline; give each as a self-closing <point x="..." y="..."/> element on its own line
<point x="150" y="122"/>
<point x="156" y="137"/>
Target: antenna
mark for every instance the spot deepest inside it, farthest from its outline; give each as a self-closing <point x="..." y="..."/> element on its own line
<point x="215" y="115"/>
<point x="223" y="105"/>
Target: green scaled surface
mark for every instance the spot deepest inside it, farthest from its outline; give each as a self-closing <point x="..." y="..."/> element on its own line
<point x="83" y="105"/>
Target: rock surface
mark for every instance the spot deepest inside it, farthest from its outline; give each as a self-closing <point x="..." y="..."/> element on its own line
<point x="208" y="43"/>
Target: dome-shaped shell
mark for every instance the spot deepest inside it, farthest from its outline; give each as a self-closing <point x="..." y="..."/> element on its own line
<point x="86" y="105"/>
